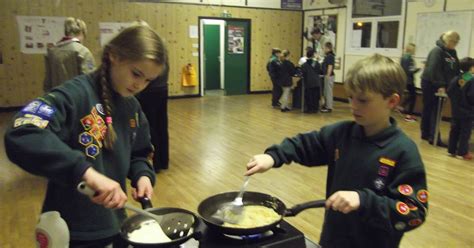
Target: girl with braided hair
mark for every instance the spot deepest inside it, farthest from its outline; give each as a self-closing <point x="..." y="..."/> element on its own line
<point x="92" y="129"/>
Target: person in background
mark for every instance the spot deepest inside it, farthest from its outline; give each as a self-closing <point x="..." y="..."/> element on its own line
<point x="154" y="102"/>
<point x="69" y="57"/>
<point x="462" y="110"/>
<point x="328" y="70"/>
<point x="442" y="65"/>
<point x="312" y="83"/>
<point x="304" y="58"/>
<point x="376" y="186"/>
<point x="287" y="70"/>
<point x="408" y="65"/>
<point x="273" y="66"/>
<point x="92" y="129"/>
<point x="317" y="39"/>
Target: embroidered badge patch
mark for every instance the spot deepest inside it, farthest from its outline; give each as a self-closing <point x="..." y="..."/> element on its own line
<point x="379" y="183"/>
<point x="92" y="151"/>
<point x="415" y="222"/>
<point x="133" y="123"/>
<point x="400" y="226"/>
<point x="39" y="109"/>
<point x="422" y="196"/>
<point x="383" y="170"/>
<point x="87" y="122"/>
<point x="387" y="161"/>
<point x="30" y="119"/>
<point x="85" y="138"/>
<point x="405" y="189"/>
<point x="402" y="208"/>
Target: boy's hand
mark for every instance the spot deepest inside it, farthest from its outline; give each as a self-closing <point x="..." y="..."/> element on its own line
<point x="144" y="188"/>
<point x="343" y="201"/>
<point x="259" y="163"/>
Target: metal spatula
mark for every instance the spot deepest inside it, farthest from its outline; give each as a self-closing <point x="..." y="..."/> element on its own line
<point x="233" y="212"/>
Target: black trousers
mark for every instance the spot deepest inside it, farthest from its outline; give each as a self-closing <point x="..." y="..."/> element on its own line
<point x="428" y="115"/>
<point x="155" y="107"/>
<point x="311" y="99"/>
<point x="277" y="91"/>
<point x="459" y="136"/>
<point x="410" y="100"/>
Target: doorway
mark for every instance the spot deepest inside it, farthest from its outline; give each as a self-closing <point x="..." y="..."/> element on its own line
<point x="224" y="56"/>
<point x="212" y="56"/>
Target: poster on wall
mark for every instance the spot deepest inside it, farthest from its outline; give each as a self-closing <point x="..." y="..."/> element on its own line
<point x="327" y="24"/>
<point x="235" y="40"/>
<point x="109" y="29"/>
<point x="291" y="4"/>
<point x="37" y="33"/>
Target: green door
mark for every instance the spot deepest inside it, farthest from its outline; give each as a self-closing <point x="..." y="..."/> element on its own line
<point x="237" y="47"/>
<point x="212" y="68"/>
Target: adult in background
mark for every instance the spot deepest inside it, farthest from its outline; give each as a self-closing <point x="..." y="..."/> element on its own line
<point x="154" y="102"/>
<point x="69" y="57"/>
<point x="442" y="65"/>
<point x="318" y="39"/>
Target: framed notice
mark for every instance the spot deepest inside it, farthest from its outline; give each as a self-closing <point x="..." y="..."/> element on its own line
<point x="37" y="33"/>
<point x="235" y="40"/>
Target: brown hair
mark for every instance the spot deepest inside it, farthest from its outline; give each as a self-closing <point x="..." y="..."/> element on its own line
<point x="285" y="53"/>
<point x="328" y="45"/>
<point x="74" y="27"/>
<point x="276" y="50"/>
<point x="378" y="74"/>
<point x="135" y="43"/>
<point x="466" y="63"/>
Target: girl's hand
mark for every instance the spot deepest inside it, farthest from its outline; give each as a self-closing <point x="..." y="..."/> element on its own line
<point x="144" y="188"/>
<point x="259" y="164"/>
<point x="109" y="193"/>
<point x="343" y="201"/>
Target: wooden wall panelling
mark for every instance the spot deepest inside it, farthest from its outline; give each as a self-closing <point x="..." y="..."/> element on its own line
<point x="170" y="20"/>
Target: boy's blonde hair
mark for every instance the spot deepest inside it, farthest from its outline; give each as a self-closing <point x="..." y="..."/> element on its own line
<point x="74" y="27"/>
<point x="378" y="74"/>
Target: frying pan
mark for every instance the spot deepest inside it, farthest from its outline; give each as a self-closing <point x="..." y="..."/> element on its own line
<point x="208" y="207"/>
<point x="178" y="225"/>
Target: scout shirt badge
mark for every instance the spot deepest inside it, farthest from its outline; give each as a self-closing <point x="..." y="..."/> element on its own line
<point x="385" y="166"/>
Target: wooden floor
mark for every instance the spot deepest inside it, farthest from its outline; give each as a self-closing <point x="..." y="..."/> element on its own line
<point x="211" y="140"/>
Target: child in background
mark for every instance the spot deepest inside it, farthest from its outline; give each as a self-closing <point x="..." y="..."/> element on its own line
<point x="462" y="110"/>
<point x="376" y="182"/>
<point x="91" y="129"/>
<point x="328" y="70"/>
<point x="408" y="65"/>
<point x="273" y="66"/>
<point x="287" y="70"/>
<point x="311" y="70"/>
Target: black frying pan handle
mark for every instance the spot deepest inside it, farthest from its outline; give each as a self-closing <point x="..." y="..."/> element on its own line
<point x="303" y="206"/>
<point x="145" y="202"/>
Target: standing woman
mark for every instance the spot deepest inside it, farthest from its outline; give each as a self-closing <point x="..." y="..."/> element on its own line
<point x="442" y="66"/>
<point x="154" y="102"/>
<point x="91" y="129"/>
